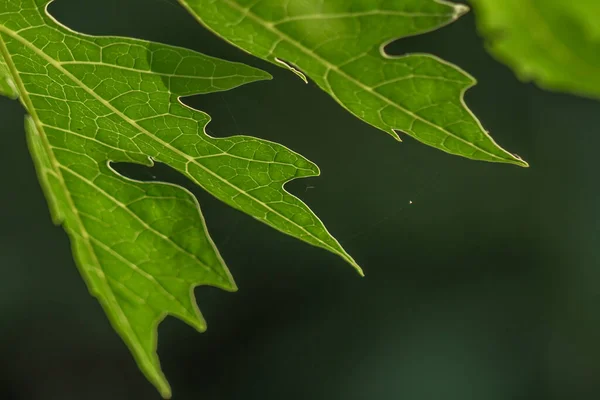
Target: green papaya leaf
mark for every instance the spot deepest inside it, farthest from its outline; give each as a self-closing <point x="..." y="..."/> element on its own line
<point x="340" y="45"/>
<point x="141" y="247"/>
<point x="555" y="43"/>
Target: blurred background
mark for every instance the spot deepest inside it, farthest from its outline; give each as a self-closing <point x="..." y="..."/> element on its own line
<point x="482" y="280"/>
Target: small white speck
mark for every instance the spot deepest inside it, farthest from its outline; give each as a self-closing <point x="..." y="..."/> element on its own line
<point x="410" y="202"/>
<point x="460" y="10"/>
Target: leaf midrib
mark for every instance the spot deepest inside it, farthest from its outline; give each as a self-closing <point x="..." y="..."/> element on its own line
<point x="222" y="154"/>
<point x="150" y="72"/>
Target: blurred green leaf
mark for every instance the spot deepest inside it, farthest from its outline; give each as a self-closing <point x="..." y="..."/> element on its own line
<point x="555" y="43"/>
<point x="340" y="45"/>
<point x="141" y="247"/>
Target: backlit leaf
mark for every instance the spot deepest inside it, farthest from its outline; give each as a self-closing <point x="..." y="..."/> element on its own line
<point x="555" y="43"/>
<point x="141" y="247"/>
<point x="339" y="44"/>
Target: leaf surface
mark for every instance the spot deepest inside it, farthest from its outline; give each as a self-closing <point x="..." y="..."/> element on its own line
<point x="340" y="45"/>
<point x="7" y="85"/>
<point x="141" y="247"/>
<point x="555" y="43"/>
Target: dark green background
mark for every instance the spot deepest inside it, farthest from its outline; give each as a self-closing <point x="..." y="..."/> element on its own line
<point x="486" y="287"/>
